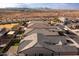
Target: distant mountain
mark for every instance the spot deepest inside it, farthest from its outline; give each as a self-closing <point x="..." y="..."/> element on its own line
<point x="32" y="9"/>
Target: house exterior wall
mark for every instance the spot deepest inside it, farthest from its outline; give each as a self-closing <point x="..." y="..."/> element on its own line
<point x="68" y="53"/>
<point x="36" y="51"/>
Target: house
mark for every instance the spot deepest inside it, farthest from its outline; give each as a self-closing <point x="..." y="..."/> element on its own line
<point x="3" y="37"/>
<point x="52" y="31"/>
<point x="39" y="24"/>
<point x="43" y="28"/>
<point x="3" y="31"/>
<point x="62" y="19"/>
<point x="38" y="44"/>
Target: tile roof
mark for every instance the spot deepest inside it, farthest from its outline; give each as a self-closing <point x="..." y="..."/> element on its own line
<point x="40" y="40"/>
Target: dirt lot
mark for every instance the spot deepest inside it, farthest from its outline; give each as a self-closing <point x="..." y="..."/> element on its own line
<point x="9" y="26"/>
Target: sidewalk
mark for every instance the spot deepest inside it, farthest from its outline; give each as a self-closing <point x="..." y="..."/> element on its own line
<point x="12" y="51"/>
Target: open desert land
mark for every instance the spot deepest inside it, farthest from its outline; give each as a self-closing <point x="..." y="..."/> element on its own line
<point x="38" y="14"/>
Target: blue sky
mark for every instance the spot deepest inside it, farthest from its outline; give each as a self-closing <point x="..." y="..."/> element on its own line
<point x="41" y="5"/>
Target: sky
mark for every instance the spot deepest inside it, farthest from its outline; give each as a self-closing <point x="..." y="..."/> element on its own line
<point x="41" y="5"/>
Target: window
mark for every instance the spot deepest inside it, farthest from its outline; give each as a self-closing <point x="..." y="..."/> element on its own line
<point x="34" y="54"/>
<point x="40" y="54"/>
<point x="68" y="41"/>
<point x="52" y="54"/>
<point x="61" y="33"/>
<point x="26" y="54"/>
